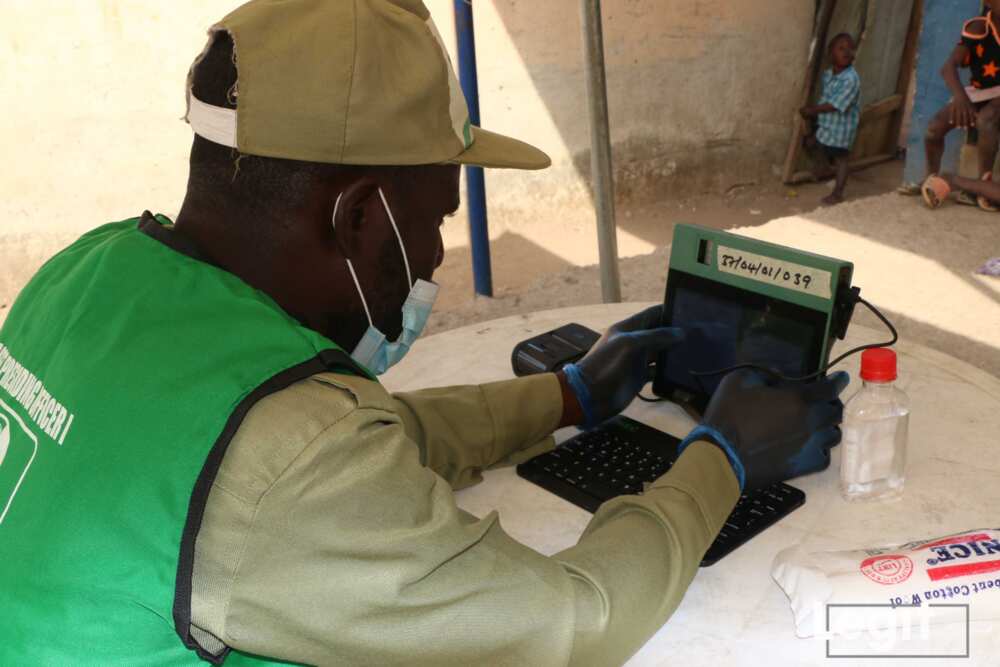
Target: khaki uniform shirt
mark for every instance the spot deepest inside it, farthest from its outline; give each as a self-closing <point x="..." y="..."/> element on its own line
<point x="331" y="535"/>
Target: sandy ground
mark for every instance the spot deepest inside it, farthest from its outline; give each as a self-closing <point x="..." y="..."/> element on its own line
<point x="524" y="253"/>
<point x="917" y="265"/>
<point x="914" y="264"/>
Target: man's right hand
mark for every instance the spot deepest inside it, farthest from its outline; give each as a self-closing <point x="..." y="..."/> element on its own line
<point x="608" y="378"/>
<point x="773" y="430"/>
<point x="963" y="112"/>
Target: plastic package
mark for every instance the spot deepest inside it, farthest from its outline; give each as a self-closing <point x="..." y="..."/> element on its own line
<point x="962" y="568"/>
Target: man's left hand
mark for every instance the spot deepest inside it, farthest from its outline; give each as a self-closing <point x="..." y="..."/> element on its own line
<point x="619" y="365"/>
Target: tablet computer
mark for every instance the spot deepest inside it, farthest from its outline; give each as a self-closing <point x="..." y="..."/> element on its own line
<point x="741" y="300"/>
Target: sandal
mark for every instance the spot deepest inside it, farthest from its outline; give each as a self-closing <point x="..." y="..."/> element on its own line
<point x="965" y="198"/>
<point x="984" y="203"/>
<point x="909" y="189"/>
<point x="935" y="190"/>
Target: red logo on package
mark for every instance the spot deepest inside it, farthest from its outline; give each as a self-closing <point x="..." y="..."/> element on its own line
<point x="887" y="570"/>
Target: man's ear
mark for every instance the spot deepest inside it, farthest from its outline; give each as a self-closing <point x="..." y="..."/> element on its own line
<point x="349" y="217"/>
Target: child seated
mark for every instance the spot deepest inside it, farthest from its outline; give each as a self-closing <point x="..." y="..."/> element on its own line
<point x="838" y="113"/>
<point x="976" y="106"/>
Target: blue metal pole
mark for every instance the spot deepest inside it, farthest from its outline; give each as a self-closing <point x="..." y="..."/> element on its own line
<point x="482" y="271"/>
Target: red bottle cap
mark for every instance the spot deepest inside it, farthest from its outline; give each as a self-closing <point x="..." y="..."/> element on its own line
<point x="878" y="365"/>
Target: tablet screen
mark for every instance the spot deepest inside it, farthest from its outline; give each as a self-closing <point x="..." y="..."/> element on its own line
<point x="726" y="326"/>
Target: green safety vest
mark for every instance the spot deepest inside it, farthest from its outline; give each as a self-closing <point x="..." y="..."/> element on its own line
<point x="126" y="368"/>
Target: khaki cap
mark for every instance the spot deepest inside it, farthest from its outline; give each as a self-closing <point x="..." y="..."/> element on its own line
<point x="364" y="82"/>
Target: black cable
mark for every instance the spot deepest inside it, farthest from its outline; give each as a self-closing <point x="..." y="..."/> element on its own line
<point x="780" y="376"/>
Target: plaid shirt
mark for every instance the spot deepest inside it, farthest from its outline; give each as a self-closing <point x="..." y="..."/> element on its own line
<point x="838" y="129"/>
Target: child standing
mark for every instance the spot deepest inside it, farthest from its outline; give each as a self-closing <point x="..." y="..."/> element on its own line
<point x="838" y="113"/>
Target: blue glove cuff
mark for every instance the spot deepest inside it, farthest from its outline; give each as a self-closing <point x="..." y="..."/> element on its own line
<point x="579" y="387"/>
<point x="703" y="432"/>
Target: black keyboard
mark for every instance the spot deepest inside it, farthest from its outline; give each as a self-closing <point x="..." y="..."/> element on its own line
<point x="621" y="455"/>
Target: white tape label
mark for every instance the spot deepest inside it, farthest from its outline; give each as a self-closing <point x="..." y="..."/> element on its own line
<point x="772" y="271"/>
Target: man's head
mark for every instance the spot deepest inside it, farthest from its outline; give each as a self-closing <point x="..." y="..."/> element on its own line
<point x="329" y="101"/>
<point x="270" y="221"/>
<point x="842" y="50"/>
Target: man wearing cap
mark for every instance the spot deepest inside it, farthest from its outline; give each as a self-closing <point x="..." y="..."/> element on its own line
<point x="200" y="462"/>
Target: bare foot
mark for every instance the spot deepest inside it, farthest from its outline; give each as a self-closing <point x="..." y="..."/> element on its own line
<point x="832" y="199"/>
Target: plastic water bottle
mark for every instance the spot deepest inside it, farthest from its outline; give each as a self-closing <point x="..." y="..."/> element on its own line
<point x="874" y="432"/>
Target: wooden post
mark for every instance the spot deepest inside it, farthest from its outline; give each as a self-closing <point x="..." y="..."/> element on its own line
<point x="816" y="51"/>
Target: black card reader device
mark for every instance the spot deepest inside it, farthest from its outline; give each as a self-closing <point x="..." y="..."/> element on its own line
<point x="550" y="351"/>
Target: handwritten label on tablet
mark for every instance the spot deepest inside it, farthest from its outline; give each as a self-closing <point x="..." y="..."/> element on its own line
<point x="773" y="271"/>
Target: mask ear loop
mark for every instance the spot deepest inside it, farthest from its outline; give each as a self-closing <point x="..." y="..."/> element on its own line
<point x="350" y="266"/>
<point x="402" y="248"/>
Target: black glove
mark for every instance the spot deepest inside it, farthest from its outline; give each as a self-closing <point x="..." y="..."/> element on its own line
<point x="609" y="377"/>
<point x="773" y="430"/>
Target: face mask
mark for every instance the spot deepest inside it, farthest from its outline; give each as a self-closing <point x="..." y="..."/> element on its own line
<point x="373" y="351"/>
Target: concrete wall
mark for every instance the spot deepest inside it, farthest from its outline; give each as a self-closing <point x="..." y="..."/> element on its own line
<point x="93" y="93"/>
<point x="701" y="98"/>
<point x="701" y="94"/>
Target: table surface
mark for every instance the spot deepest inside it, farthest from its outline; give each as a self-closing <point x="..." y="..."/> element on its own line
<point x="734" y="613"/>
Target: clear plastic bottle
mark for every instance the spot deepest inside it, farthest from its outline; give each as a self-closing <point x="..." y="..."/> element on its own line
<point x="875" y="426"/>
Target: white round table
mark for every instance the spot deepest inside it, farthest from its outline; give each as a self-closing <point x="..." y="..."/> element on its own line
<point x="734" y="613"/>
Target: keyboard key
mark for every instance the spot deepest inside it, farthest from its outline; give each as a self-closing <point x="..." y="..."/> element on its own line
<point x="601" y="491"/>
<point x="619" y="458"/>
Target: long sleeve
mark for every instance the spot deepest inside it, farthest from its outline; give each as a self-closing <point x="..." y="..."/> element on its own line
<point x="326" y="541"/>
<point x="463" y="430"/>
<point x="639" y="554"/>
